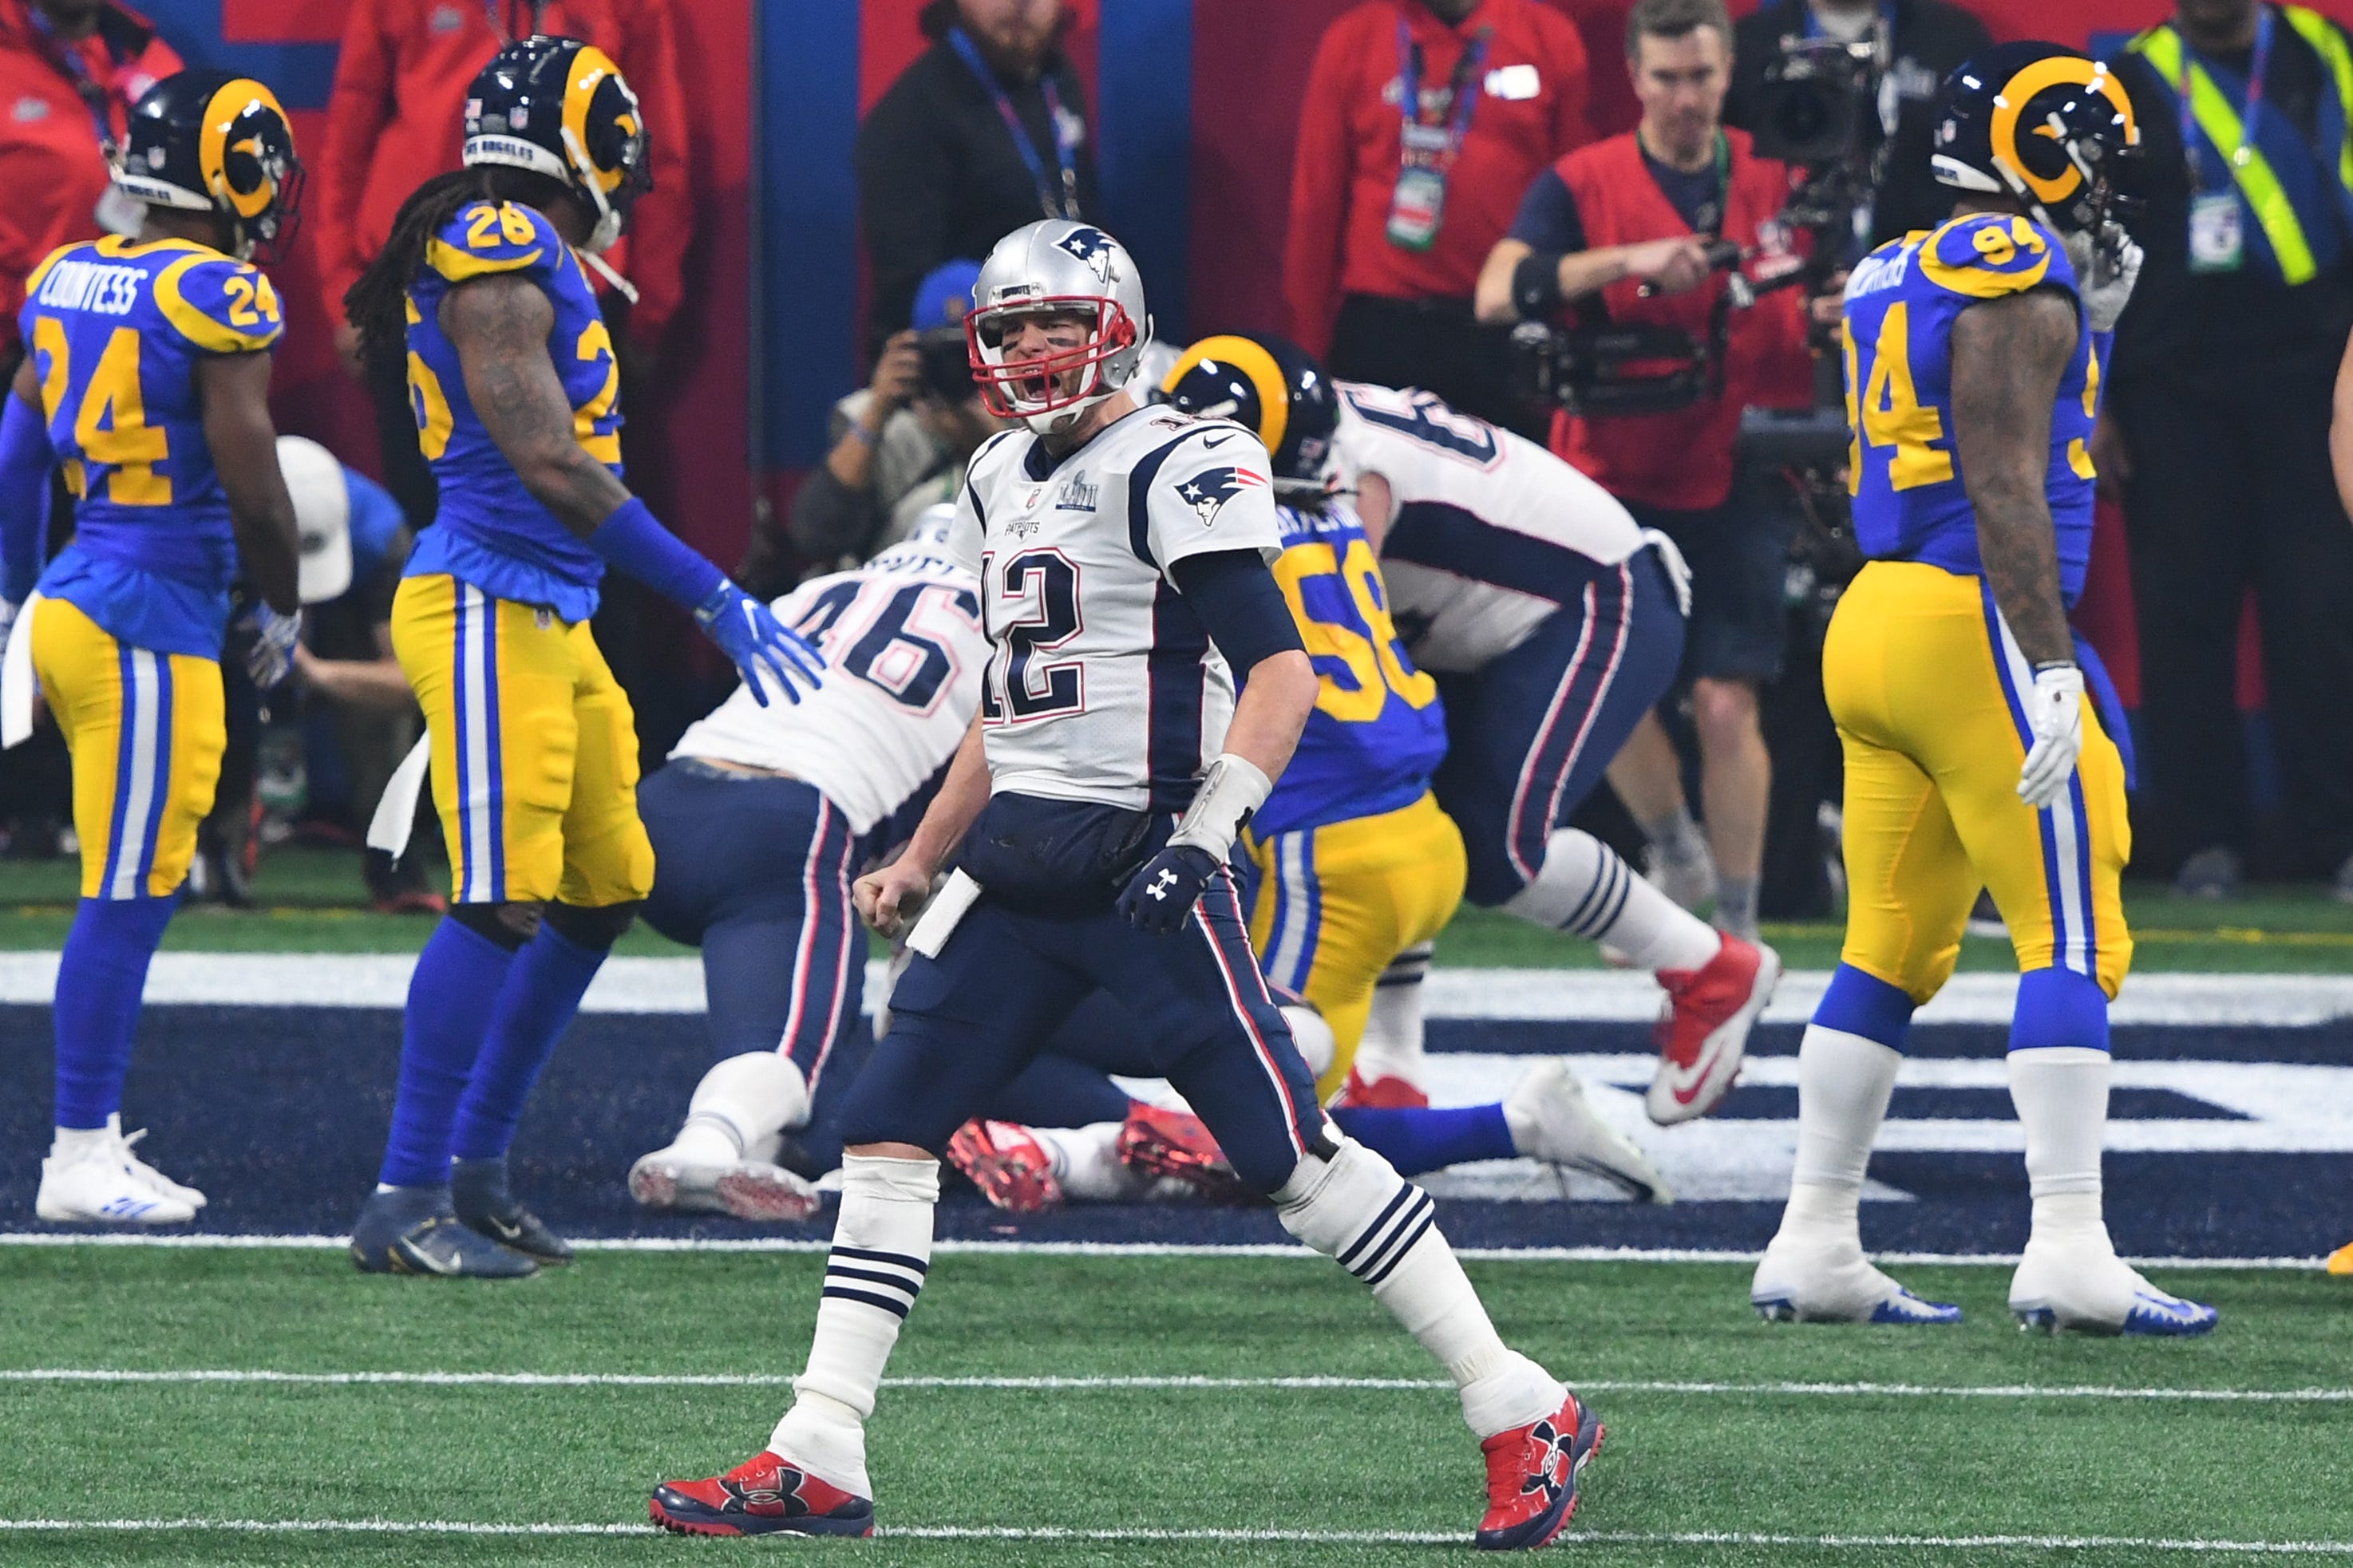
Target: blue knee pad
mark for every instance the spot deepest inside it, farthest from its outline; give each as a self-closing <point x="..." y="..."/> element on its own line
<point x="2059" y="1007"/>
<point x="1865" y="1005"/>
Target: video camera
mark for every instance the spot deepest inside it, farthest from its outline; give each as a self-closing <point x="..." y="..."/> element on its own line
<point x="1816" y="113"/>
<point x="946" y="374"/>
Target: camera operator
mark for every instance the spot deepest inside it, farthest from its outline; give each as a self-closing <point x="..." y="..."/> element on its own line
<point x="900" y="444"/>
<point x="1624" y="229"/>
<point x="1916" y="43"/>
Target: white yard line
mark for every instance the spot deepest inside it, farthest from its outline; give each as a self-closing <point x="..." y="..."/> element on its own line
<point x="1060" y="1383"/>
<point x="200" y="1241"/>
<point x="1140" y="1535"/>
<point x="675" y="985"/>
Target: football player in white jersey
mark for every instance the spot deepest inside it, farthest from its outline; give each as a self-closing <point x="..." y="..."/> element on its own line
<point x="1122" y="553"/>
<point x="1552" y="624"/>
<point x="759" y="822"/>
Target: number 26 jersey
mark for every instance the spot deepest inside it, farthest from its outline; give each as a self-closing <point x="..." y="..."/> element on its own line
<point x="491" y="532"/>
<point x="1103" y="685"/>
<point x="1910" y="501"/>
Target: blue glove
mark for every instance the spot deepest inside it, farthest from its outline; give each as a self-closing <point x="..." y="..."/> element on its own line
<point x="1165" y="890"/>
<point x="746" y="633"/>
<point x="272" y="657"/>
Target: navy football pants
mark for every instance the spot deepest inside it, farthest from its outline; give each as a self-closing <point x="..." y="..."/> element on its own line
<point x="967" y="1023"/>
<point x="1529" y="737"/>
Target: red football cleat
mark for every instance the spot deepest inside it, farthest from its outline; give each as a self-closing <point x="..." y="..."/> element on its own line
<point x="765" y="1495"/>
<point x="1176" y="1143"/>
<point x="1009" y="1165"/>
<point x="1532" y="1478"/>
<point x="1381" y="1093"/>
<point x="1703" y="1032"/>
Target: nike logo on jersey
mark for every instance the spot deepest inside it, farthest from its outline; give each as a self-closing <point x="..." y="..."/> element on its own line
<point x="1210" y="443"/>
<point x="1208" y="492"/>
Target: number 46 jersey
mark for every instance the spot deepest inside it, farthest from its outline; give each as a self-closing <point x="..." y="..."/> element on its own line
<point x="1910" y="503"/>
<point x="903" y="652"/>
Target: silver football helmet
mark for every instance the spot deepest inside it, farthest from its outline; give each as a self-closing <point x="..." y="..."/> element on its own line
<point x="1056" y="267"/>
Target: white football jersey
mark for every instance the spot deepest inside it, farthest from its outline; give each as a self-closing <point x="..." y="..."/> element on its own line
<point x="1101" y="685"/>
<point x="1488" y="533"/>
<point x="903" y="652"/>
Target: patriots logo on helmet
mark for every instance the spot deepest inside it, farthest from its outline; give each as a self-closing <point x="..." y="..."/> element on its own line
<point x="1092" y="246"/>
<point x="1208" y="491"/>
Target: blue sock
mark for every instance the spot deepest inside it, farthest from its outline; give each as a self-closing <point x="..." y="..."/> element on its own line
<point x="450" y="999"/>
<point x="100" y="979"/>
<point x="1418" y="1140"/>
<point x="542" y="991"/>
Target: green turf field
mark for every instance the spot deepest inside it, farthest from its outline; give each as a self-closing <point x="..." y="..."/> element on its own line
<point x="1886" y="1456"/>
<point x="312" y="903"/>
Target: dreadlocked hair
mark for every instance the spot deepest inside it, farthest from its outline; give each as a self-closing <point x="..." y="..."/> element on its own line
<point x="377" y="304"/>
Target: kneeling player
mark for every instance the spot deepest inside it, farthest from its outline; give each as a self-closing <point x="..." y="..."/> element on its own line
<point x="1123" y="558"/>
<point x="1552" y="624"/>
<point x="1972" y="759"/>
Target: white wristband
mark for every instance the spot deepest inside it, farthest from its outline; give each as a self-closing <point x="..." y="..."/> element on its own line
<point x="1231" y="789"/>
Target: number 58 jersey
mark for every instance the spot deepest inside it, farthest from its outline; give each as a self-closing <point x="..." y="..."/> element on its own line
<point x="1103" y="686"/>
<point x="1910" y="501"/>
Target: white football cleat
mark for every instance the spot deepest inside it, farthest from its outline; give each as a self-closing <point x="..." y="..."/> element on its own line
<point x="1552" y="1121"/>
<point x="2076" y="1287"/>
<point x="99" y="1182"/>
<point x="155" y="1178"/>
<point x="1803" y="1281"/>
<point x="677" y="1178"/>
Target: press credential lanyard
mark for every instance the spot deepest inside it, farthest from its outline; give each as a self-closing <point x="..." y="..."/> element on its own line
<point x="1066" y="141"/>
<point x="1427" y="152"/>
<point x="2218" y="240"/>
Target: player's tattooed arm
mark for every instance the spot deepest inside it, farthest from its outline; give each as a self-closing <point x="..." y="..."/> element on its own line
<point x="2009" y="355"/>
<point x="234" y="393"/>
<point x="500" y="326"/>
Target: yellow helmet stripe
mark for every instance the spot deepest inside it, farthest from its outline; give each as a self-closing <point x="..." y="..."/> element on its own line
<point x="2057" y="70"/>
<point x="1252" y="360"/>
<point x="234" y="98"/>
<point x="590" y="67"/>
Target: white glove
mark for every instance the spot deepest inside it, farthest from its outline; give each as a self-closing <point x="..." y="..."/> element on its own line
<point x="274" y="636"/>
<point x="2054" y="712"/>
<point x="2115" y="267"/>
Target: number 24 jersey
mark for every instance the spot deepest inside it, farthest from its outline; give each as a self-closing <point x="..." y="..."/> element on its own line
<point x="115" y="330"/>
<point x="1910" y="503"/>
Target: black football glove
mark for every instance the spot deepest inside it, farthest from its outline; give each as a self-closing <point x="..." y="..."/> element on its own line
<point x="1165" y="891"/>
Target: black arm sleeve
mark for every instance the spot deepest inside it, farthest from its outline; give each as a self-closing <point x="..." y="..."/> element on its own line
<point x="1237" y="599"/>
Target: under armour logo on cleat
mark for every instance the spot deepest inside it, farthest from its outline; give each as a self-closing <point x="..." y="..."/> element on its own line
<point x="1161" y="885"/>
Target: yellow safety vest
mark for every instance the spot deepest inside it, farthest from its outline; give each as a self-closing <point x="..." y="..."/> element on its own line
<point x="2161" y="46"/>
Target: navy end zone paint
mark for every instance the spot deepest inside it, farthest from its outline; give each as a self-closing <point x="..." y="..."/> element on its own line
<point x="277" y="1113"/>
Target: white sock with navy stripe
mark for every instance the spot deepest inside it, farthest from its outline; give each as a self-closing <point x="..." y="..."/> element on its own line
<point x="1585" y="888"/>
<point x="882" y="1250"/>
<point x="1357" y="1210"/>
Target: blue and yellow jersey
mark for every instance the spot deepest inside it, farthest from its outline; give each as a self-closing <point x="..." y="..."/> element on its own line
<point x="116" y="328"/>
<point x="1377" y="733"/>
<point x="491" y="532"/>
<point x="1901" y="302"/>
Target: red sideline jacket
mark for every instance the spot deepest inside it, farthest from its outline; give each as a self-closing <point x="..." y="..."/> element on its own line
<point x="397" y="120"/>
<point x="1680" y="460"/>
<point x="50" y="167"/>
<point x="1346" y="165"/>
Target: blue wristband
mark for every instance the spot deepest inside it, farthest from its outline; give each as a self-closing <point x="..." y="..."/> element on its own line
<point x="632" y="541"/>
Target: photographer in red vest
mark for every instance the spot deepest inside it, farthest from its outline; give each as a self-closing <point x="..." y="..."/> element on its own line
<point x="1611" y="224"/>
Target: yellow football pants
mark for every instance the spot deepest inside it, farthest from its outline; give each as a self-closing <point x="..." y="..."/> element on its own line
<point x="535" y="747"/>
<point x="146" y="734"/>
<point x="1336" y="903"/>
<point x="1925" y="682"/>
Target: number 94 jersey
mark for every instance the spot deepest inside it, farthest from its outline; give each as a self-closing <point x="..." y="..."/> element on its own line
<point x="493" y="533"/>
<point x="1103" y="686"/>
<point x="1904" y="471"/>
